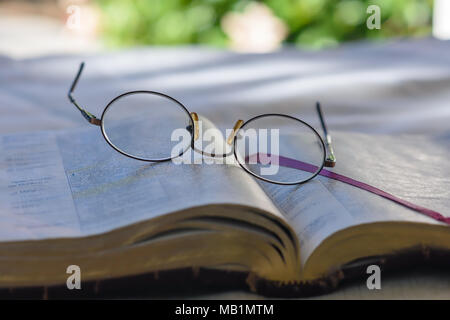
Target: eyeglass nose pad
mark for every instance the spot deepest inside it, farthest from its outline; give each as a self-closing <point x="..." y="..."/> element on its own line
<point x="195" y="118"/>
<point x="236" y="127"/>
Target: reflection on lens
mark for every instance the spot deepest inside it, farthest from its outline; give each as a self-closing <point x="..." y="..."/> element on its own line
<point x="279" y="149"/>
<point x="148" y="126"/>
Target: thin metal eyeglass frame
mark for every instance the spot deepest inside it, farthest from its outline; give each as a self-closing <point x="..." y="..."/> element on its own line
<point x="319" y="168"/>
<point x="329" y="159"/>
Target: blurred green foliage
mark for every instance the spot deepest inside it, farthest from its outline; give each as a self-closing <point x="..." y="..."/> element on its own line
<point x="311" y="23"/>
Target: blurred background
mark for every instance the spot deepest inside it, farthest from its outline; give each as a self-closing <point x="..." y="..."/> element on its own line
<point x="35" y="27"/>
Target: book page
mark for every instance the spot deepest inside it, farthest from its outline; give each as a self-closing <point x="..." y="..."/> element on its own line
<point x="72" y="183"/>
<point x="412" y="167"/>
<point x="35" y="198"/>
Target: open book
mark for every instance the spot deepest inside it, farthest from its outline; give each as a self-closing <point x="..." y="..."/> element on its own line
<point x="67" y="198"/>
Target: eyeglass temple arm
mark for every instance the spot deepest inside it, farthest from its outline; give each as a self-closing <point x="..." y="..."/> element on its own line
<point x="87" y="115"/>
<point x="330" y="160"/>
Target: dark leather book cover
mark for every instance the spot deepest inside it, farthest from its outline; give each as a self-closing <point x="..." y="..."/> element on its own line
<point x="193" y="281"/>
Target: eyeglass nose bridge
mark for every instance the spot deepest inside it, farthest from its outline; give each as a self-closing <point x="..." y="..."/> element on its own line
<point x="194" y="116"/>
<point x="236" y="128"/>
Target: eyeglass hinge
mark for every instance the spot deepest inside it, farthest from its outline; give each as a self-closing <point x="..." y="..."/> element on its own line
<point x="90" y="118"/>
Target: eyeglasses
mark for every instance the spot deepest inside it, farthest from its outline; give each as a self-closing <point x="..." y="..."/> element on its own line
<point x="148" y="126"/>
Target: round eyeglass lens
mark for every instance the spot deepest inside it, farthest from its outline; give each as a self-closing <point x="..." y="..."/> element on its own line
<point x="279" y="149"/>
<point x="147" y="126"/>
